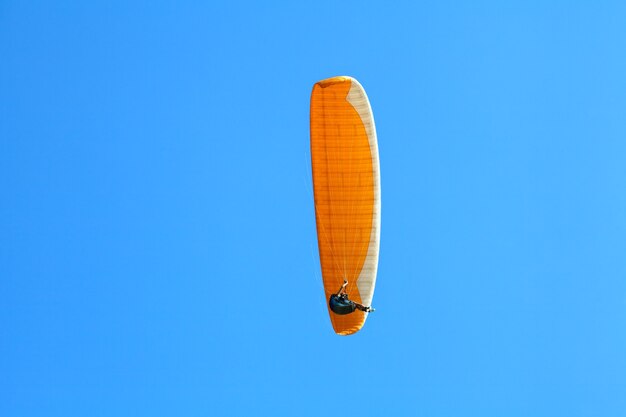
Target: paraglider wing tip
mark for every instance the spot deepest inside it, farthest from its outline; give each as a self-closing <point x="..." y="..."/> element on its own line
<point x="334" y="80"/>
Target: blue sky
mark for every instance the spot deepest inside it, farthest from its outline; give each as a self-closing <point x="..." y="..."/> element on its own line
<point x="157" y="236"/>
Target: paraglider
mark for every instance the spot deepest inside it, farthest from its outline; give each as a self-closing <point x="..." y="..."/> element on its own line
<point x="340" y="303"/>
<point x="346" y="188"/>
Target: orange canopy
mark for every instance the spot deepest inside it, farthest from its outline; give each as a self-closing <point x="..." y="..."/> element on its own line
<point x="346" y="186"/>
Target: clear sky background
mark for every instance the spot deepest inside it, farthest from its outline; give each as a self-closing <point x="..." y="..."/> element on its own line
<point x="158" y="253"/>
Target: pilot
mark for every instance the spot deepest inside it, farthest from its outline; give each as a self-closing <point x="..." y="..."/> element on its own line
<point x="341" y="304"/>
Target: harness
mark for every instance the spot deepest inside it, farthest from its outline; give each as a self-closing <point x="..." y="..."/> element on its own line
<point x="340" y="304"/>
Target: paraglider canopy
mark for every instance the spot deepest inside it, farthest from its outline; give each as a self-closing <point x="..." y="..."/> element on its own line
<point x="346" y="187"/>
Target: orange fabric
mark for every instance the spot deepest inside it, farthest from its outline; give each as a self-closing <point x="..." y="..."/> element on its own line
<point x="343" y="185"/>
